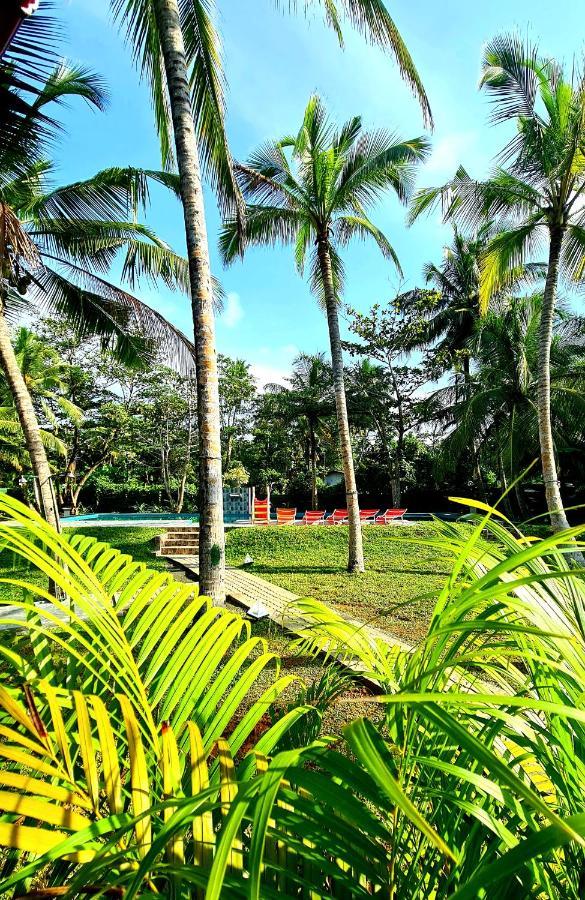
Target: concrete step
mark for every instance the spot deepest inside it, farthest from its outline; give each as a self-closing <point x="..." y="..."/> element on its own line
<point x="180" y="551"/>
<point x="182" y="531"/>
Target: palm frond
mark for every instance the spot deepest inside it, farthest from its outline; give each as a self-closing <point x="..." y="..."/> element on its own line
<point x="505" y="255"/>
<point x="347" y="227"/>
<point x="510" y="74"/>
<point x="129" y="327"/>
<point x="372" y="19"/>
<point x="264" y="225"/>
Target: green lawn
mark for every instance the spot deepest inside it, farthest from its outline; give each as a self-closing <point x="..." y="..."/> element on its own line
<point x="311" y="563"/>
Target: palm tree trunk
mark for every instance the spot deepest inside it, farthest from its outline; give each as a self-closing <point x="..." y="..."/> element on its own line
<point x="313" y="454"/>
<point x="29" y="424"/>
<point x="558" y="518"/>
<point x="211" y="533"/>
<point x="356" y="553"/>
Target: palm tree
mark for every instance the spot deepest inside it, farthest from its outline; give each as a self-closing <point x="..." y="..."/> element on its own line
<point x="178" y="50"/>
<point x="455" y="316"/>
<point x="314" y="191"/>
<point x="499" y="413"/>
<point x="308" y="400"/>
<point x="537" y="198"/>
<point x="54" y="239"/>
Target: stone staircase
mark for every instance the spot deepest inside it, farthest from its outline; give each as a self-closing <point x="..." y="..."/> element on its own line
<point x="179" y="542"/>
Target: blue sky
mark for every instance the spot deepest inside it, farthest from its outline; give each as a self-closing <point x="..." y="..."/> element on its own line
<point x="274" y="62"/>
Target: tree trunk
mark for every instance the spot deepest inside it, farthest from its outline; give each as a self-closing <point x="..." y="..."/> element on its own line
<point x="313" y="454"/>
<point x="29" y="424"/>
<point x="558" y="518"/>
<point x="395" y="481"/>
<point x="356" y="553"/>
<point x="211" y="529"/>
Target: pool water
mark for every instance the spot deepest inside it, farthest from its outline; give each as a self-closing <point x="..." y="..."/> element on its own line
<point x="120" y="519"/>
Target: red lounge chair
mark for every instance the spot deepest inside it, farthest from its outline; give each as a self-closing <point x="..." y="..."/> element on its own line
<point x="261" y="512"/>
<point x="390" y="516"/>
<point x="313" y="517"/>
<point x="285" y="516"/>
<point x="337" y="517"/>
<point x="368" y="515"/>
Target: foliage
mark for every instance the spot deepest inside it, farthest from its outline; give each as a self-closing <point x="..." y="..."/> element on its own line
<point x="318" y="186"/>
<point x="100" y="663"/>
<point x="473" y="784"/>
<point x="500" y="410"/>
<point x="60" y="240"/>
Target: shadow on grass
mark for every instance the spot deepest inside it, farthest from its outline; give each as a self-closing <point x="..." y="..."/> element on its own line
<point x="293" y="569"/>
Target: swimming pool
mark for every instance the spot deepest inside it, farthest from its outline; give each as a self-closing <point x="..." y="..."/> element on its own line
<point x="116" y="520"/>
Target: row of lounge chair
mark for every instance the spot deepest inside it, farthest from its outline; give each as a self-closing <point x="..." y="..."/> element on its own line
<point x="288" y="516"/>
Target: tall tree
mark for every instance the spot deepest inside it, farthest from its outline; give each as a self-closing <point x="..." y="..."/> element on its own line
<point x="309" y="400"/>
<point x="237" y="390"/>
<point x="387" y="335"/>
<point x="535" y="197"/>
<point x="314" y="191"/>
<point x="54" y="239"/>
<point x="499" y="413"/>
<point x="453" y="321"/>
<point x="178" y="49"/>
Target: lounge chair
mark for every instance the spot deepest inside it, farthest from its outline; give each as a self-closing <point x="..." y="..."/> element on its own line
<point x="368" y="515"/>
<point x="285" y="516"/>
<point x="261" y="512"/>
<point x="390" y="516"/>
<point x="313" y="517"/>
<point x="337" y="517"/>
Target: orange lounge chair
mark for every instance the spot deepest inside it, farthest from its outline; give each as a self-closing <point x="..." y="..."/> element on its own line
<point x="390" y="516"/>
<point x="313" y="517"/>
<point x="285" y="516"/>
<point x="261" y="512"/>
<point x="368" y="515"/>
<point x="337" y="517"/>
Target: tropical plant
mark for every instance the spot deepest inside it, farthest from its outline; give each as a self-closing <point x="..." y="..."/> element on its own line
<point x="454" y="317"/>
<point x="498" y="413"/>
<point x="177" y="47"/>
<point x="472" y="786"/>
<point x="54" y="240"/>
<point x="135" y="677"/>
<point x="534" y="198"/>
<point x="314" y="191"/>
<point x="485" y="729"/>
<point x="308" y="400"/>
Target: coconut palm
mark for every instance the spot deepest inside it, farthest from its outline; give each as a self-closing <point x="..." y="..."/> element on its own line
<point x="498" y="414"/>
<point x="454" y="319"/>
<point x="56" y="242"/>
<point x="178" y="50"/>
<point x="308" y="400"/>
<point x="535" y="195"/>
<point x="314" y="191"/>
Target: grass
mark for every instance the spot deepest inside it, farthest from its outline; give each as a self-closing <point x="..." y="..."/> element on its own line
<point x="397" y="591"/>
<point x="138" y="542"/>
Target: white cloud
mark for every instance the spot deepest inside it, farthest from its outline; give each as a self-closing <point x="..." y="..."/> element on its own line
<point x="275" y="366"/>
<point x="266" y="374"/>
<point x="233" y="312"/>
<point x="450" y="151"/>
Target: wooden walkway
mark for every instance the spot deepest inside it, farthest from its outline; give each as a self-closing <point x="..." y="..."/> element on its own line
<point x="247" y="589"/>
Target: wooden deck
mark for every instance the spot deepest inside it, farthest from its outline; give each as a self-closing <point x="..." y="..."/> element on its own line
<point x="247" y="589"/>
